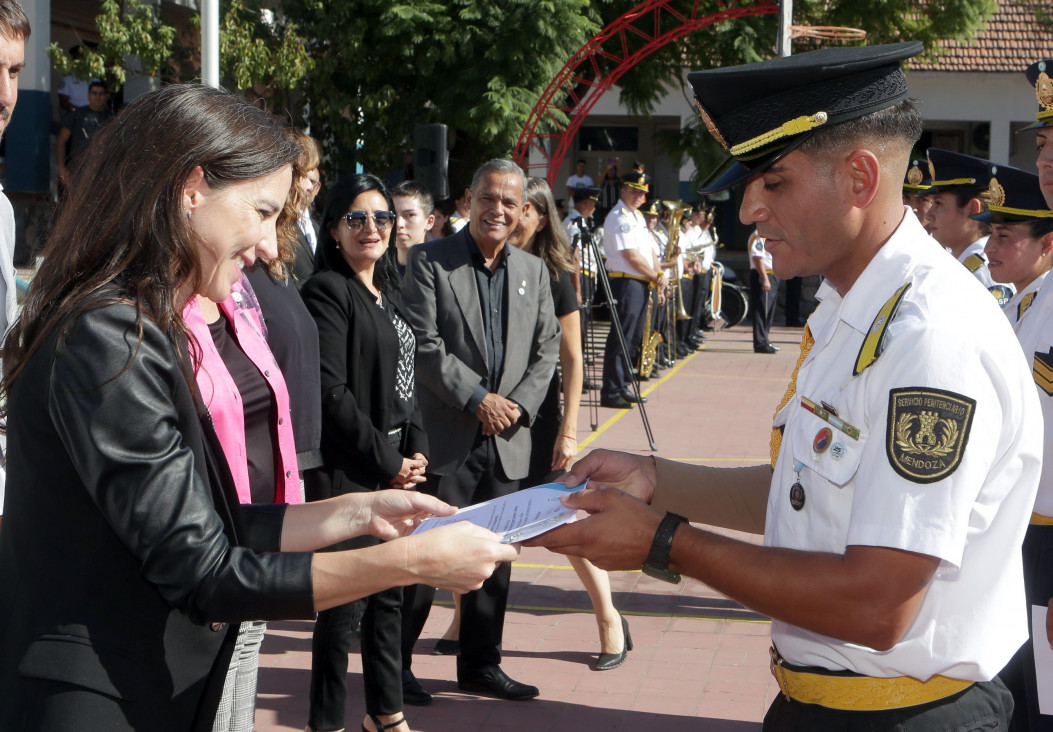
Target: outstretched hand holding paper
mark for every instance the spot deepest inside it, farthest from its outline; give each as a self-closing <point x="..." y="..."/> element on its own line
<point x="518" y="516"/>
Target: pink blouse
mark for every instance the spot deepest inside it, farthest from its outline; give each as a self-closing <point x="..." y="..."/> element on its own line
<point x="223" y="400"/>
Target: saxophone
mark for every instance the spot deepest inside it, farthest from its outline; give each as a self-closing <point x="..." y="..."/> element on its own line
<point x="649" y="344"/>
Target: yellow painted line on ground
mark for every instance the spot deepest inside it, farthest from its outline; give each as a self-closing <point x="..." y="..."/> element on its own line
<point x="716" y="615"/>
<point x="780" y="379"/>
<point x="621" y="414"/>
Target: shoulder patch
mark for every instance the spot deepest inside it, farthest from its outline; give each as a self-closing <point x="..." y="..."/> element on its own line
<point x="927" y="432"/>
<point x="973" y="262"/>
<point x="1001" y="293"/>
<point x="1042" y="371"/>
<point x="874" y="343"/>
<point x="1025" y="304"/>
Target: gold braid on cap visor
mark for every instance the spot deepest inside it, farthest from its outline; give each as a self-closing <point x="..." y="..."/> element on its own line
<point x="1029" y="213"/>
<point x="786" y="129"/>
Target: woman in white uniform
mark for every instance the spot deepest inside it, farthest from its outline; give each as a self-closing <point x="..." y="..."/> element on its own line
<point x="1018" y="250"/>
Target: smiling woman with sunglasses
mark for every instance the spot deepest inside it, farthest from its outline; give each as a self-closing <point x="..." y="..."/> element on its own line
<point x="372" y="436"/>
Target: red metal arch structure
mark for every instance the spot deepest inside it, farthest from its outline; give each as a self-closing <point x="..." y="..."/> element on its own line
<point x="581" y="82"/>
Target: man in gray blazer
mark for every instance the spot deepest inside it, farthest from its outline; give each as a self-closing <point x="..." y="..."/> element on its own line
<point x="487" y="344"/>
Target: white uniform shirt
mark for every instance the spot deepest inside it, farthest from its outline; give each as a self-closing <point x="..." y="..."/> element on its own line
<point x="625" y="230"/>
<point x="972" y="518"/>
<point x="705" y="239"/>
<point x="756" y="247"/>
<point x="579" y="181"/>
<point x="1020" y="304"/>
<point x="1035" y="332"/>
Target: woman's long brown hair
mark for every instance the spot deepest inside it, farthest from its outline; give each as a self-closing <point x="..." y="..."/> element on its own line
<point x="123" y="234"/>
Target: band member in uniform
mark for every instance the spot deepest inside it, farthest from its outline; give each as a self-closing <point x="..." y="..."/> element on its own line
<point x="958" y="181"/>
<point x="1030" y="207"/>
<point x="906" y="453"/>
<point x="630" y="266"/>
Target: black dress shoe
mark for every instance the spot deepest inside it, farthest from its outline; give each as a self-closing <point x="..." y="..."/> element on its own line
<point x="682" y="351"/>
<point x="632" y="398"/>
<point x="492" y="681"/>
<point x="615" y="402"/>
<point x="607" y="661"/>
<point x="412" y="692"/>
<point x="768" y="348"/>
<point x="587" y="385"/>
<point x="446" y="647"/>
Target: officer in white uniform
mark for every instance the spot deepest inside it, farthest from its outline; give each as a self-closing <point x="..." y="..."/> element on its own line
<point x="763" y="300"/>
<point x="957" y="183"/>
<point x="905" y="455"/>
<point x="630" y="266"/>
<point x="1010" y="202"/>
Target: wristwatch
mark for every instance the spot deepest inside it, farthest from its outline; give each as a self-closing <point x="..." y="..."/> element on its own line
<point x="657" y="562"/>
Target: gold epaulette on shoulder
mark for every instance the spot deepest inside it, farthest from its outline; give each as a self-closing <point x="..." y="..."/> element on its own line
<point x="874" y="343"/>
<point x="973" y="262"/>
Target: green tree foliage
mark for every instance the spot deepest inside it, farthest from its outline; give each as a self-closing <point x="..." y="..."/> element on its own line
<point x="746" y="40"/>
<point x="132" y="31"/>
<point x="257" y="49"/>
<point x="383" y="66"/>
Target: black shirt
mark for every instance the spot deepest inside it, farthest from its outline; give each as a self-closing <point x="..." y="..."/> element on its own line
<point x="493" y="299"/>
<point x="261" y="411"/>
<point x="292" y="334"/>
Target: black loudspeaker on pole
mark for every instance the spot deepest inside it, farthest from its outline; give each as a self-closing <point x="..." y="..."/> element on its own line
<point x="431" y="159"/>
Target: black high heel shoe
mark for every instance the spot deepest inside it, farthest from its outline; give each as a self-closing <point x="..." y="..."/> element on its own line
<point x="607" y="661"/>
<point x="380" y="725"/>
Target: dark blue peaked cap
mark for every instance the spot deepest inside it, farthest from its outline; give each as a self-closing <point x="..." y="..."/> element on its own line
<point x="953" y="171"/>
<point x="1040" y="76"/>
<point x="759" y="112"/>
<point x="1013" y="195"/>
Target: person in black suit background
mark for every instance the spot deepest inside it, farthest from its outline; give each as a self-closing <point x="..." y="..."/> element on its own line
<point x="488" y="343"/>
<point x="372" y="433"/>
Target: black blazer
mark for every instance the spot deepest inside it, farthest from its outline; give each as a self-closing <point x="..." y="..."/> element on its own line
<point x="118" y="561"/>
<point x="304" y="259"/>
<point x="359" y="351"/>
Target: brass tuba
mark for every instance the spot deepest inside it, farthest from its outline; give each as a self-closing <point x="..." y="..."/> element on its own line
<point x="650" y="341"/>
<point x="676" y="215"/>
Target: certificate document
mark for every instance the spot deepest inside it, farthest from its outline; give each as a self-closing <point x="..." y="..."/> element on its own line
<point x="518" y="516"/>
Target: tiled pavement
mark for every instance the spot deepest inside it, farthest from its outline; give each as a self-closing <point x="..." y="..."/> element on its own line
<point x="700" y="661"/>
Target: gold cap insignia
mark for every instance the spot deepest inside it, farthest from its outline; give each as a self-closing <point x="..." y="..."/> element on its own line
<point x="915" y="176"/>
<point x="710" y="125"/>
<point x="995" y="193"/>
<point x="932" y="171"/>
<point x="1044" y="90"/>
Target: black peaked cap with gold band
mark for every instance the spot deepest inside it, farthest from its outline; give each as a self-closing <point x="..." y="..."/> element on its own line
<point x="586" y="193"/>
<point x="1012" y="196"/>
<point x="1040" y="76"/>
<point x="760" y="112"/>
<point x="654" y="208"/>
<point x="918" y="180"/>
<point x="952" y="171"/>
<point x="639" y="181"/>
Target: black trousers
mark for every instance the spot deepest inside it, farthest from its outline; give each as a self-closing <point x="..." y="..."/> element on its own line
<point x="331" y="643"/>
<point x="685" y="328"/>
<point x="1019" y="673"/>
<point x="480" y="478"/>
<point x="762" y="305"/>
<point x="985" y="706"/>
<point x="700" y="299"/>
<point x="632" y="304"/>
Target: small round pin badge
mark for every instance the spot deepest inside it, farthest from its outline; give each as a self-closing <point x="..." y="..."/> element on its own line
<point x="797" y="496"/>
<point x="822" y="440"/>
<point x="522" y="291"/>
<point x="837" y="451"/>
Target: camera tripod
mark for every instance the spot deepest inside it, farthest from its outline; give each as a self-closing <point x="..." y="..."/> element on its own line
<point x="590" y="253"/>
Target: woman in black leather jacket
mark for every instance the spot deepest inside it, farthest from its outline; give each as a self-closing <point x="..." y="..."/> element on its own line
<point x="125" y="560"/>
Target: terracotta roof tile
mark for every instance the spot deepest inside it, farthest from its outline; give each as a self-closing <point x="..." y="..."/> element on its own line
<point x="1012" y="39"/>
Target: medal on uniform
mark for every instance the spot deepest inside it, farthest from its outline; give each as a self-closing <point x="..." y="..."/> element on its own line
<point x="822" y="440"/>
<point x="797" y="490"/>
